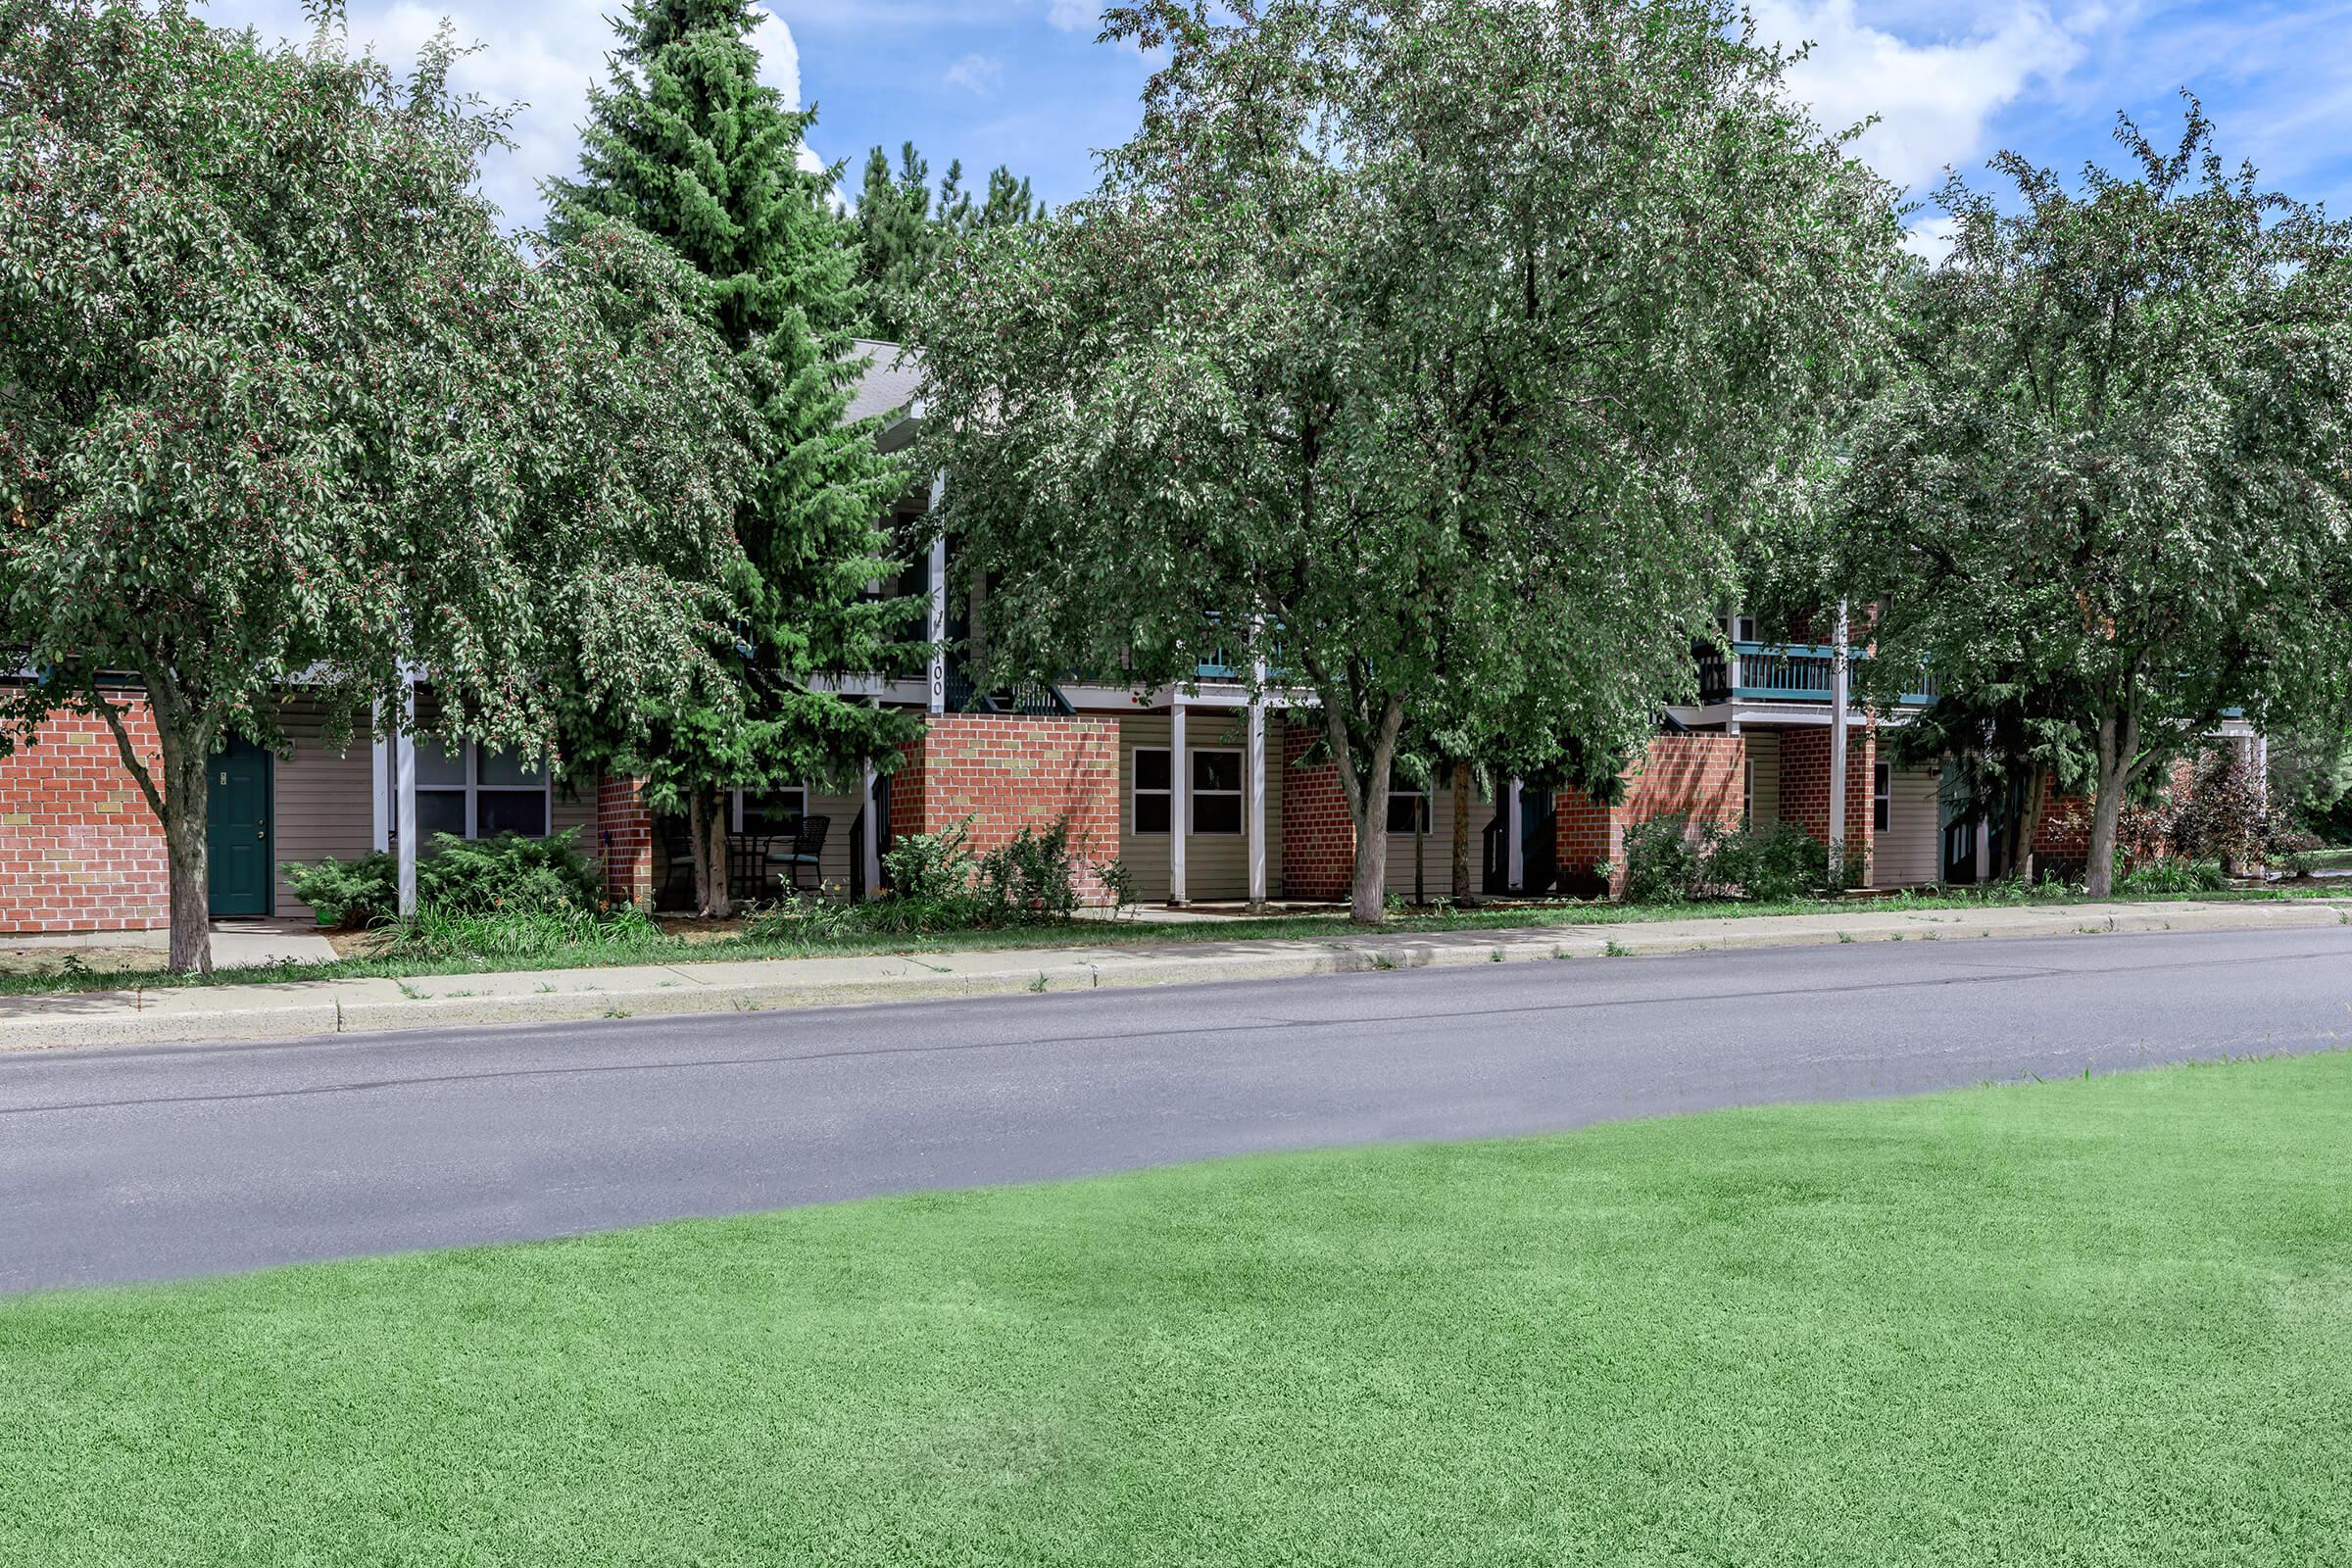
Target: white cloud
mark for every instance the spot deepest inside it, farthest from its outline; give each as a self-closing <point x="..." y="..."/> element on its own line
<point x="1931" y="239"/>
<point x="1070" y="16"/>
<point x="980" y="74"/>
<point x="538" y="56"/>
<point x="1933" y="99"/>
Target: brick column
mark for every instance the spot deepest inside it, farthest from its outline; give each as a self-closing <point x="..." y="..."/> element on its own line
<point x="1003" y="772"/>
<point x="1805" y="787"/>
<point x="624" y="838"/>
<point x="1318" y="835"/>
<point x="1695" y="776"/>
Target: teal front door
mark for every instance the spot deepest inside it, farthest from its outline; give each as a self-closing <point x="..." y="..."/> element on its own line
<point x="237" y="830"/>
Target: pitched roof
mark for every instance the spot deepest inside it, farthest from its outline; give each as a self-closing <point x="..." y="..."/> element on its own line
<point x="889" y="382"/>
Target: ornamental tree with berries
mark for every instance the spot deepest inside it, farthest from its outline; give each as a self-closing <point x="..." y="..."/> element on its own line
<point x="281" y="409"/>
<point x="1427" y="353"/>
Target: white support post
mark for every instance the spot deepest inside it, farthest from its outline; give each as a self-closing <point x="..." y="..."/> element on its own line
<point x="379" y="788"/>
<point x="1516" y="840"/>
<point x="405" y="797"/>
<point x="1837" y="712"/>
<point x="1257" y="796"/>
<point x="937" y="627"/>
<point x="869" y="842"/>
<point x="1180" y="815"/>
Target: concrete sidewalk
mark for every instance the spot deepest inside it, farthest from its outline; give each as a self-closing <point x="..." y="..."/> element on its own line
<point x="331" y="1007"/>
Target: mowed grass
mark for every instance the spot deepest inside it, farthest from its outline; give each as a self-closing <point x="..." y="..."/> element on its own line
<point x="2104" y="1322"/>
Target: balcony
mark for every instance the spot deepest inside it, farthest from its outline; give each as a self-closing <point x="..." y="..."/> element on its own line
<point x="1773" y="672"/>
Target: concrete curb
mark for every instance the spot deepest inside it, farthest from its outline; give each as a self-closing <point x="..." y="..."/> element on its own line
<point x="230" y="1012"/>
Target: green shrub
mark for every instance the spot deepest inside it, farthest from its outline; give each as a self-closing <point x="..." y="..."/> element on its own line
<point x="348" y="893"/>
<point x="1663" y="864"/>
<point x="2172" y="874"/>
<point x="509" y="873"/>
<point x="1031" y="879"/>
<point x="1771" y="867"/>
<point x="925" y="867"/>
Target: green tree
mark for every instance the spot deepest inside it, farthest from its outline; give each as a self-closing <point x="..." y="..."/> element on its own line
<point x="685" y="143"/>
<point x="902" y="227"/>
<point x="280" y="406"/>
<point x="1417" y="349"/>
<point x="2109" y="473"/>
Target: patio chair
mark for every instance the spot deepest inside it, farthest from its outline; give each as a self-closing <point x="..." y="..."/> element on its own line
<point x="805" y="852"/>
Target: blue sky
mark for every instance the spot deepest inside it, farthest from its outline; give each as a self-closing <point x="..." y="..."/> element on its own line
<point x="1022" y="82"/>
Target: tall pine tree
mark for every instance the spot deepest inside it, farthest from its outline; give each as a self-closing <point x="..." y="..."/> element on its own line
<point x="686" y="144"/>
<point x="902" y="227"/>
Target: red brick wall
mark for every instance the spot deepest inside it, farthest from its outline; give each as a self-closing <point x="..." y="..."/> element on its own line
<point x="79" y="849"/>
<point x="1318" y="836"/>
<point x="1006" y="772"/>
<point x="624" y="839"/>
<point x="1805" y="786"/>
<point x="1700" y="776"/>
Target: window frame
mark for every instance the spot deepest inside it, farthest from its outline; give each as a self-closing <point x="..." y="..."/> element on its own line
<point x="1195" y="793"/>
<point x="738" y="796"/>
<point x="473" y="789"/>
<point x="1164" y="794"/>
<point x="1747" y="793"/>
<point x="1429" y="817"/>
<point x="1882" y="797"/>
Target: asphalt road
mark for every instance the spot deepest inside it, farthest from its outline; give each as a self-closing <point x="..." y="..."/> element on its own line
<point x="142" y="1163"/>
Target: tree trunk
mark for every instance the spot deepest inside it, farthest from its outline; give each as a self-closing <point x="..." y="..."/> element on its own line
<point x="181" y="806"/>
<point x="2028" y="828"/>
<point x="1463" y="893"/>
<point x="1369" y="905"/>
<point x="713" y="897"/>
<point x="185" y="817"/>
<point x="2107" y="807"/>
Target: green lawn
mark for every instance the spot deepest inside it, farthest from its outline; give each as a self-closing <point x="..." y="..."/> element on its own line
<point x="2084" y="1322"/>
<point x="47" y="971"/>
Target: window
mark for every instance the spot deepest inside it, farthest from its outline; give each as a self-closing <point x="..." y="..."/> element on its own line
<point x="1743" y="628"/>
<point x="1882" y="796"/>
<point x="1216" y="792"/>
<point x="476" y="794"/>
<point x="1408" y="809"/>
<point x="776" y="811"/>
<point x="1153" y="790"/>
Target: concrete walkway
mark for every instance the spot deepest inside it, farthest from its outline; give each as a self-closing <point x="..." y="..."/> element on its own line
<point x="236" y="944"/>
<point x="442" y="1002"/>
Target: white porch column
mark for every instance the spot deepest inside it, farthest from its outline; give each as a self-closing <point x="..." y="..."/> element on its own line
<point x="379" y="786"/>
<point x="869" y="842"/>
<point x="938" y="627"/>
<point x="1516" y="840"/>
<point x="1837" y="710"/>
<point x="1180" y="783"/>
<point x="403" y="811"/>
<point x="1256" y="765"/>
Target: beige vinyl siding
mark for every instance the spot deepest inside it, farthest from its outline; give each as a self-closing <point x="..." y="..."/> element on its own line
<point x="1764" y="756"/>
<point x="1437" y="851"/>
<point x="1216" y="865"/>
<point x="322" y="803"/>
<point x="1908" y="850"/>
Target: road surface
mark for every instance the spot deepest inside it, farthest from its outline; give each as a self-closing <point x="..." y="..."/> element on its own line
<point x="156" y="1162"/>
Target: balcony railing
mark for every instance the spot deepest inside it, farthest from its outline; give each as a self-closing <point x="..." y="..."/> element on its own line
<point x="1770" y="672"/>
